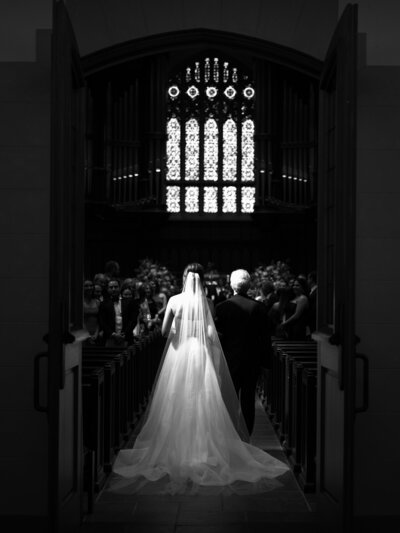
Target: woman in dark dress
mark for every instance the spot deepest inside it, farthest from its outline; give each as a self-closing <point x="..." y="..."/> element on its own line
<point x="295" y="319"/>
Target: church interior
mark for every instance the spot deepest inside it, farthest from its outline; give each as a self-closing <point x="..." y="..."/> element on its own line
<point x="260" y="135"/>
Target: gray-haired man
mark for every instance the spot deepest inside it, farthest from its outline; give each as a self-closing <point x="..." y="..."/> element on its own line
<point x="242" y="324"/>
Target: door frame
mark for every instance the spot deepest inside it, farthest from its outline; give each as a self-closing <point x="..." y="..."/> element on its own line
<point x="336" y="336"/>
<point x="66" y="333"/>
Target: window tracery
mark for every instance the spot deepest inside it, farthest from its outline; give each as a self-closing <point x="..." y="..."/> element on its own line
<point x="210" y="140"/>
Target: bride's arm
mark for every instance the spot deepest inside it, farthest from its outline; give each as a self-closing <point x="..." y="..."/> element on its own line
<point x="168" y="318"/>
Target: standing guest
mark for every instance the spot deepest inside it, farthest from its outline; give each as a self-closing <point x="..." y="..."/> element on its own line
<point x="131" y="283"/>
<point x="129" y="312"/>
<point x="296" y="312"/>
<point x="98" y="292"/>
<point x="160" y="299"/>
<point x="278" y="310"/>
<point x="147" y="308"/>
<point x="268" y="295"/>
<point x="91" y="312"/>
<point x="110" y="315"/>
<point x="101" y="279"/>
<point x="220" y="291"/>
<point x="112" y="270"/>
<point x="245" y="340"/>
<point x="312" y="301"/>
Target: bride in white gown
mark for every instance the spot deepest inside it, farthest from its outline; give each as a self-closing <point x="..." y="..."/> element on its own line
<point x="193" y="435"/>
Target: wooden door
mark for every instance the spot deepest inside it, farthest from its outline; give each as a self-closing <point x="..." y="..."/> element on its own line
<point x="66" y="273"/>
<point x="336" y="270"/>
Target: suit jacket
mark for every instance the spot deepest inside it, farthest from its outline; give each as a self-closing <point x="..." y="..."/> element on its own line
<point x="243" y="326"/>
<point x="129" y="312"/>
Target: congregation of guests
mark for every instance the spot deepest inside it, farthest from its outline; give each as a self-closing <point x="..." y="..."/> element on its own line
<point x="118" y="309"/>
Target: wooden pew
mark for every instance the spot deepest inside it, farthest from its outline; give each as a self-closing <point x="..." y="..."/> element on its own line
<point x="288" y="411"/>
<point x="291" y="404"/>
<point x="109" y="414"/>
<point x="116" y="385"/>
<point x="93" y="424"/>
<point x="274" y="385"/>
<point x="101" y="356"/>
<point x="280" y="391"/>
<point x="307" y="474"/>
<point x="298" y="428"/>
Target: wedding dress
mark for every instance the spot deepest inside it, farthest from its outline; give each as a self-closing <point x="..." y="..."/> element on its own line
<point x="194" y="437"/>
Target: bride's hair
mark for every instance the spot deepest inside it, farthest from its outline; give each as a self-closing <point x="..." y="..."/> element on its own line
<point x="197" y="268"/>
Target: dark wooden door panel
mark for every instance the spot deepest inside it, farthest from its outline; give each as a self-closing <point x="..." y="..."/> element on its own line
<point x="336" y="268"/>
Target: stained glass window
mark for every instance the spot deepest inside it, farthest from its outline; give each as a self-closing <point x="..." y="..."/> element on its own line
<point x="173" y="199"/>
<point x="248" y="198"/>
<point x="173" y="149"/>
<point x="230" y="151"/>
<point x="211" y="150"/>
<point x="192" y="152"/>
<point x="211" y="199"/>
<point x="191" y="199"/>
<point x="229" y="200"/>
<point x="210" y="139"/>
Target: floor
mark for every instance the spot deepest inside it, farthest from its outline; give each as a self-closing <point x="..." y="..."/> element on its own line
<point x="282" y="510"/>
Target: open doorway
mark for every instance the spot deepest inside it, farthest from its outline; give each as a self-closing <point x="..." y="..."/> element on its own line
<point x="150" y="219"/>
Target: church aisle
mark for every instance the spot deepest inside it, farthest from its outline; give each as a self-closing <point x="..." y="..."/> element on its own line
<point x="282" y="510"/>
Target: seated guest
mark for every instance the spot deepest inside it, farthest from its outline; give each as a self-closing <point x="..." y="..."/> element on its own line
<point x="295" y="320"/>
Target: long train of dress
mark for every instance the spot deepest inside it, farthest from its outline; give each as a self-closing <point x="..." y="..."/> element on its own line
<point x="189" y="442"/>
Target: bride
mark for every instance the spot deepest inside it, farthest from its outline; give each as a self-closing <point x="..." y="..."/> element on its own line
<point x="193" y="434"/>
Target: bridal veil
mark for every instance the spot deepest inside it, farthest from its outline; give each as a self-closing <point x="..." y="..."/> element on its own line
<point x="193" y="435"/>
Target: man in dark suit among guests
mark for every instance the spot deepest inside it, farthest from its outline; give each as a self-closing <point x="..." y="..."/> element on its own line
<point x="117" y="317"/>
<point x="242" y="324"/>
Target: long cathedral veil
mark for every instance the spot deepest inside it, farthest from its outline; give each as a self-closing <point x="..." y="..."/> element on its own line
<point x="194" y="328"/>
<point x="193" y="433"/>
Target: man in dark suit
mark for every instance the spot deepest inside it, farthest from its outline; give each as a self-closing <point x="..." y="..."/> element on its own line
<point x="242" y="324"/>
<point x="117" y="316"/>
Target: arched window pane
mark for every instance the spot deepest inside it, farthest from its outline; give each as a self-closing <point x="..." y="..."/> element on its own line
<point x="248" y="199"/>
<point x="192" y="152"/>
<point x="173" y="199"/>
<point x="248" y="151"/>
<point x="210" y="138"/>
<point x="229" y="150"/>
<point x="210" y="200"/>
<point x="191" y="199"/>
<point x="173" y="149"/>
<point x="229" y="200"/>
<point x="211" y="150"/>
